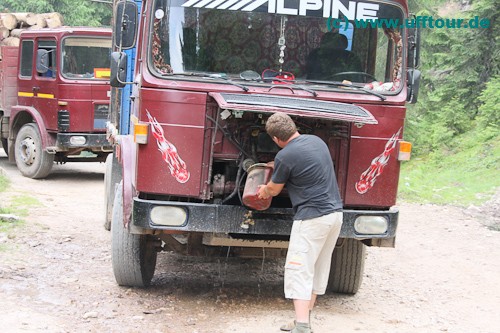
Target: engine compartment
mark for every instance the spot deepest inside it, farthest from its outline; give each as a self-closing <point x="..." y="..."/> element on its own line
<point x="241" y="141"/>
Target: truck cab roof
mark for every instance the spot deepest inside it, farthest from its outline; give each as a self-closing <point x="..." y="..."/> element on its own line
<point x="65" y="30"/>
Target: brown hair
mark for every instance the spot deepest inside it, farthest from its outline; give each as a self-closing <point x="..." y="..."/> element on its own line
<point x="281" y="126"/>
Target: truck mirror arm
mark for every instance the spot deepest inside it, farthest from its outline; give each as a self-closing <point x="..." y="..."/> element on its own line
<point x="118" y="75"/>
<point x="413" y="85"/>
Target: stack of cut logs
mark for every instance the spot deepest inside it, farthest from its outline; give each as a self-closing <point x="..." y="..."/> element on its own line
<point x="11" y="25"/>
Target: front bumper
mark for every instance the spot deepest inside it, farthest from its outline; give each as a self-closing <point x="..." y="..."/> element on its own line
<point x="237" y="220"/>
<point x="94" y="141"/>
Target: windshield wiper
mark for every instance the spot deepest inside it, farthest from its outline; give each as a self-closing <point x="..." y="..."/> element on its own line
<point x="212" y="76"/>
<point x="340" y="84"/>
<point x="290" y="83"/>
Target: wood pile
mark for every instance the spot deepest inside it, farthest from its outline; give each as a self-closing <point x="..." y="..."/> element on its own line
<point x="12" y="24"/>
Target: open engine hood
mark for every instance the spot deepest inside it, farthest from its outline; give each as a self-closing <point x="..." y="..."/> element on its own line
<point x="302" y="107"/>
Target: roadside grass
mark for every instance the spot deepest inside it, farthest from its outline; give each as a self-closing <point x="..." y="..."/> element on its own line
<point x="18" y="206"/>
<point x="21" y="204"/>
<point x="465" y="175"/>
<point x="4" y="182"/>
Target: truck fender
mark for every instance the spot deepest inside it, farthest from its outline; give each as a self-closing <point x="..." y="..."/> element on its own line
<point x="21" y="115"/>
<point x="125" y="155"/>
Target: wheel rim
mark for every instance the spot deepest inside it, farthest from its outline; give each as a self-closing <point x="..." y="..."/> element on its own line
<point x="27" y="150"/>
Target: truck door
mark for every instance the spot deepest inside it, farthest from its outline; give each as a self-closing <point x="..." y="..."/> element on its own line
<point x="25" y="85"/>
<point x="38" y="79"/>
<point x="45" y="84"/>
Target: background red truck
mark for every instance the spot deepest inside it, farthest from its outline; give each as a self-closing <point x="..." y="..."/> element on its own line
<point x="54" y="98"/>
<point x="205" y="77"/>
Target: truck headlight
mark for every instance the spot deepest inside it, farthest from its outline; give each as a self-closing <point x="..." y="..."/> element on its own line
<point x="77" y="140"/>
<point x="168" y="216"/>
<point x="371" y="225"/>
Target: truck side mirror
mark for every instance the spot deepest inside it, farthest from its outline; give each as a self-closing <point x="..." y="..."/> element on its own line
<point x="118" y="75"/>
<point x="42" y="61"/>
<point x="413" y="48"/>
<point x="413" y="85"/>
<point x="125" y="28"/>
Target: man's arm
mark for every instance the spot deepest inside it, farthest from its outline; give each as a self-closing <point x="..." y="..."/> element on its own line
<point x="271" y="189"/>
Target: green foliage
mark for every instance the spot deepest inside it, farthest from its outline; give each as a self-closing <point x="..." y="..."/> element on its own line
<point x="489" y="111"/>
<point x="467" y="175"/>
<point x="455" y="126"/>
<point x="457" y="66"/>
<point x="75" y="13"/>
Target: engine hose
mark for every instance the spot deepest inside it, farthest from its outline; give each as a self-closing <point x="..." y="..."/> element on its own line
<point x="237" y="184"/>
<point x="228" y="136"/>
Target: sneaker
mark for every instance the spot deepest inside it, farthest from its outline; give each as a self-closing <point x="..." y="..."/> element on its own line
<point x="291" y="325"/>
<point x="301" y="328"/>
<point x="288" y="327"/>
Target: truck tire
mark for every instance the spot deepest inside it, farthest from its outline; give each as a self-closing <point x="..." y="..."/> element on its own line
<point x="133" y="256"/>
<point x="31" y="159"/>
<point x="111" y="177"/>
<point x="348" y="263"/>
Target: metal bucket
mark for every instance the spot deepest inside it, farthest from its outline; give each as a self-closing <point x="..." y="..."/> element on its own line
<point x="258" y="174"/>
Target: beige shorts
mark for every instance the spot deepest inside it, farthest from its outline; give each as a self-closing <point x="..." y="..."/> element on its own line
<point x="309" y="256"/>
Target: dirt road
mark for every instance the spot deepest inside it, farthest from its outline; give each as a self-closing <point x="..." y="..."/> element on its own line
<point x="56" y="276"/>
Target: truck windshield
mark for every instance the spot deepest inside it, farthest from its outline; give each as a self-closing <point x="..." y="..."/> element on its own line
<point x="86" y="58"/>
<point x="284" y="39"/>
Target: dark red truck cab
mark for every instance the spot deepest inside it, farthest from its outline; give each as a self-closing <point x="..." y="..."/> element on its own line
<point x="55" y="97"/>
<point x="206" y="76"/>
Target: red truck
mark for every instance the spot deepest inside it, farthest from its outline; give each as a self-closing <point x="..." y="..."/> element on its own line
<point x="205" y="77"/>
<point x="54" y="98"/>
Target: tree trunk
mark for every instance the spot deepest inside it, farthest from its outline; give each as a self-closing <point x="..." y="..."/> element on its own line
<point x="4" y="33"/>
<point x="32" y="18"/>
<point x="22" y="19"/>
<point x="10" y="41"/>
<point x="16" y="32"/>
<point x="8" y="20"/>
<point x="35" y="27"/>
<point x="37" y="20"/>
<point x="54" y="20"/>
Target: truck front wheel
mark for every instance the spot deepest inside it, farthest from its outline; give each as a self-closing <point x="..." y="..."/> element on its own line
<point x="31" y="159"/>
<point x="348" y="262"/>
<point x="133" y="256"/>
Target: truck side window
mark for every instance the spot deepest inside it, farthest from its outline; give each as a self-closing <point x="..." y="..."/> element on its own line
<point x="26" y="58"/>
<point x="50" y="47"/>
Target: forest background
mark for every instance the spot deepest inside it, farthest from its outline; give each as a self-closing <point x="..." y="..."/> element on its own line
<point x="454" y="127"/>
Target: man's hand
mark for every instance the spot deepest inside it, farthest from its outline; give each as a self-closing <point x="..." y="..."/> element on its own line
<point x="264" y="190"/>
<point x="269" y="190"/>
<point x="263" y="193"/>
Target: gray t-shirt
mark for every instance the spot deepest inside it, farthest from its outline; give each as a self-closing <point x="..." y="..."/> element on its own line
<point x="306" y="167"/>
